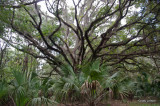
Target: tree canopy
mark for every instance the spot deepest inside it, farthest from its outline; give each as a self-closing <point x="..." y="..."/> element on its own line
<point x="76" y="32"/>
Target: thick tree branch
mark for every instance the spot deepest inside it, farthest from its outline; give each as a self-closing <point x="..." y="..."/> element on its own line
<point x="20" y="5"/>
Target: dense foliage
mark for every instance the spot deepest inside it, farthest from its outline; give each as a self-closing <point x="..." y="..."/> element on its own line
<point x="69" y="51"/>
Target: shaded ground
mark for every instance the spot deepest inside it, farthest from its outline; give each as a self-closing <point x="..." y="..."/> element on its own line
<point x="117" y="103"/>
<point x="109" y="103"/>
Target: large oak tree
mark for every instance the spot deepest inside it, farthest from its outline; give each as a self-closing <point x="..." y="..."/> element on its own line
<point x="76" y="32"/>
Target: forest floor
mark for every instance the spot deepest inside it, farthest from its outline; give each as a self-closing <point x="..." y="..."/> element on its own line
<point x="118" y="103"/>
<point x="141" y="102"/>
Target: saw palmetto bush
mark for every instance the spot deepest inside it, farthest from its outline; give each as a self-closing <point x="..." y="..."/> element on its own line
<point x="121" y="86"/>
<point x="118" y="84"/>
<point x="67" y="87"/>
<point x="92" y="88"/>
<point x="147" y="85"/>
<point x="91" y="85"/>
<point x="30" y="90"/>
<point x="73" y="87"/>
<point x="26" y="89"/>
<point x="4" y="92"/>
